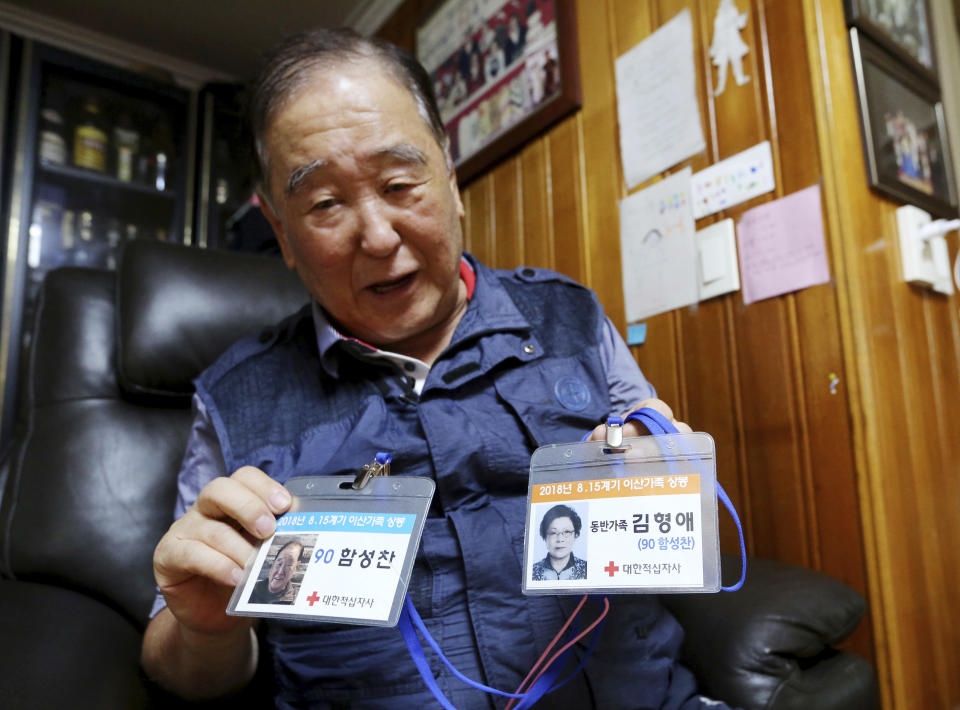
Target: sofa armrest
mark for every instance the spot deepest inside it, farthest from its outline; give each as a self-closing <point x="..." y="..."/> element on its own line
<point x="769" y="644"/>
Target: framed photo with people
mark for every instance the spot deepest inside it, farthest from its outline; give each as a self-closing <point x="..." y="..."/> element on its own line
<point x="904" y="133"/>
<point x="901" y="26"/>
<point x="502" y="71"/>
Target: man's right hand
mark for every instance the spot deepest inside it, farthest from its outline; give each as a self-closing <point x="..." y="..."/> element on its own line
<point x="200" y="559"/>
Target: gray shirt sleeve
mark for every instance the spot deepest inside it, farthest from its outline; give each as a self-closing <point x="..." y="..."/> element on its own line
<point x="624" y="378"/>
<point x="202" y="462"/>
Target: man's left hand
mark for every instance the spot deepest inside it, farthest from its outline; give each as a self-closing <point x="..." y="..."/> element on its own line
<point x="634" y="428"/>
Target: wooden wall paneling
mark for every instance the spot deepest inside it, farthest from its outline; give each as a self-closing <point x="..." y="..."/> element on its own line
<point x="537" y="205"/>
<point x="601" y="167"/>
<point x="770" y="431"/>
<point x="829" y="467"/>
<point x="738" y="446"/>
<point x="630" y="22"/>
<point x="480" y="234"/>
<point x="903" y="625"/>
<point x="920" y="436"/>
<point x="712" y="406"/>
<point x="848" y="212"/>
<point x="943" y="337"/>
<point x="567" y="207"/>
<point x="508" y="215"/>
<point x="895" y="558"/>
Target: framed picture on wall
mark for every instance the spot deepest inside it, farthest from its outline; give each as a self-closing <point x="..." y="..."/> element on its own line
<point x="904" y="134"/>
<point x="502" y="71"/>
<point x="902" y="26"/>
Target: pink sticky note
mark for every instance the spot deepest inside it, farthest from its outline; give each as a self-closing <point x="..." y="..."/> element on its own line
<point x="782" y="248"/>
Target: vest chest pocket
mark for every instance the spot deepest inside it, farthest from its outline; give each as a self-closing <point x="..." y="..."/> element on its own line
<point x="556" y="399"/>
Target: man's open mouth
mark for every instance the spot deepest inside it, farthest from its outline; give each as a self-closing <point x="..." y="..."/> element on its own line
<point x="388" y="286"/>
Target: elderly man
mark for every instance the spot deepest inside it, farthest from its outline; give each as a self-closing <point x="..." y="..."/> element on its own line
<point x="276" y="587"/>
<point x="410" y="346"/>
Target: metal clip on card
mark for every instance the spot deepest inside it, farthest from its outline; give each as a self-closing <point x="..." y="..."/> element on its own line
<point x="614" y="437"/>
<point x="379" y="467"/>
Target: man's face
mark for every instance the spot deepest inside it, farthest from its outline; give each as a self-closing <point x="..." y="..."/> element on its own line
<point x="281" y="572"/>
<point x="364" y="206"/>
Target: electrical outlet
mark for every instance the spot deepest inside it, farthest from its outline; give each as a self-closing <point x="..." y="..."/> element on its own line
<point x="916" y="253"/>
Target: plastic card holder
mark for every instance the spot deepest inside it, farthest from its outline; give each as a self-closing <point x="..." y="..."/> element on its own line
<point x="341" y="555"/>
<point x="641" y="518"/>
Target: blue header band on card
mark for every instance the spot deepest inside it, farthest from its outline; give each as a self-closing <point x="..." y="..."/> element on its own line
<point x="636" y="334"/>
<point x="313" y="521"/>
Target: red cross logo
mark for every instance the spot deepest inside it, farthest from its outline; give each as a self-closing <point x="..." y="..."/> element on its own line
<point x="313" y="598"/>
<point x="611" y="568"/>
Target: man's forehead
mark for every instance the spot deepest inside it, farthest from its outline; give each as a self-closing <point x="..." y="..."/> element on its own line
<point x="346" y="92"/>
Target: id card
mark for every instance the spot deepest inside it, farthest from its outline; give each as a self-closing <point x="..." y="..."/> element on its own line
<point x="340" y="555"/>
<point x="636" y="519"/>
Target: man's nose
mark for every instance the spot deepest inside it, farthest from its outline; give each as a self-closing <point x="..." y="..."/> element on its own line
<point x="378" y="237"/>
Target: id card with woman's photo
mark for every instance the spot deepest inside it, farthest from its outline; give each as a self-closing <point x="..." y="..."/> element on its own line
<point x="641" y="518"/>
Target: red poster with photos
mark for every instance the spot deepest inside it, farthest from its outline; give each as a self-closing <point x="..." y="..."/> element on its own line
<point x="502" y="70"/>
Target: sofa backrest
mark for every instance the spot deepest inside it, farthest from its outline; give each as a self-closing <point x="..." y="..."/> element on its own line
<point x="92" y="475"/>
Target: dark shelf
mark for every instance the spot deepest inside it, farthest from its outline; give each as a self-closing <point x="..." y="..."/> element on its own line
<point x="89" y="176"/>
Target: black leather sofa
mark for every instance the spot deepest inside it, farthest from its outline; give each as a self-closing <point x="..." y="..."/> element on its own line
<point x="88" y="487"/>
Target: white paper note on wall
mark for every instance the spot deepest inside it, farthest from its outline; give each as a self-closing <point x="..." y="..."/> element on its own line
<point x="658" y="248"/>
<point x="657" y="102"/>
<point x="734" y="180"/>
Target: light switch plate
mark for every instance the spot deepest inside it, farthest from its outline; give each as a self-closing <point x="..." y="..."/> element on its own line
<point x="718" y="270"/>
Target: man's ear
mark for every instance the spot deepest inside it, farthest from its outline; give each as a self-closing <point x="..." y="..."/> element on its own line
<point x="452" y="177"/>
<point x="277" y="225"/>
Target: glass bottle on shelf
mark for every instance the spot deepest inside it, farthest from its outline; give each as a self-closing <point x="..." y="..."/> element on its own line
<point x="126" y="141"/>
<point x="53" y="145"/>
<point x="113" y="242"/>
<point x="163" y="152"/>
<point x="83" y="254"/>
<point x="43" y="250"/>
<point x="90" y="140"/>
<point x="68" y="227"/>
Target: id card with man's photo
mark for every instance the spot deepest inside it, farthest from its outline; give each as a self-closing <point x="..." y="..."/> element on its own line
<point x="638" y="519"/>
<point x="340" y="555"/>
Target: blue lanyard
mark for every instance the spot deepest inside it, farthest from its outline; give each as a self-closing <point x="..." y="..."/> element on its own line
<point x="410" y="621"/>
<point x="656" y="423"/>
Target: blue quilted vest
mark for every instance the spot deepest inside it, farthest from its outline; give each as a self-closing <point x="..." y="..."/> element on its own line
<point x="522" y="370"/>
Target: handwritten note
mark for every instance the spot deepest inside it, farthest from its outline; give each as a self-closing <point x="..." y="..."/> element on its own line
<point x="658" y="248"/>
<point x="734" y="180"/>
<point x="782" y="248"/>
<point x="657" y="102"/>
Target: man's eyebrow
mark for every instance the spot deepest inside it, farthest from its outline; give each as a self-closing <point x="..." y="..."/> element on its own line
<point x="403" y="153"/>
<point x="299" y="175"/>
